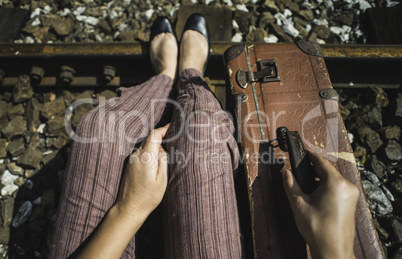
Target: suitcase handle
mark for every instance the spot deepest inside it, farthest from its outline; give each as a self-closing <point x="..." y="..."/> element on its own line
<point x="303" y="171"/>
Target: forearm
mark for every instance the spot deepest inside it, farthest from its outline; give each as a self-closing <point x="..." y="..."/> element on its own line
<point x="331" y="252"/>
<point x="113" y="235"/>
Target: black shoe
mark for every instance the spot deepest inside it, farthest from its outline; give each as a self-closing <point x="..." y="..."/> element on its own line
<point x="160" y="25"/>
<point x="197" y="22"/>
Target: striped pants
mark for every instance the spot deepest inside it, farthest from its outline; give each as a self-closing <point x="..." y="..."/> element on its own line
<point x="200" y="217"/>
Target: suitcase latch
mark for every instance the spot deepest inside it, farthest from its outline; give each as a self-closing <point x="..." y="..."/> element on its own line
<point x="267" y="72"/>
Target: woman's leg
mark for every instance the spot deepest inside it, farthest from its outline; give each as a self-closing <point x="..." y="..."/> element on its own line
<point x="200" y="210"/>
<point x="108" y="135"/>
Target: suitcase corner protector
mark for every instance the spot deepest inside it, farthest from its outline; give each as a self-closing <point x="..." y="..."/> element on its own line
<point x="310" y="48"/>
<point x="233" y="52"/>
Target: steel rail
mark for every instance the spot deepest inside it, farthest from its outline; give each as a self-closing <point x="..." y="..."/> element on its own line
<point x="217" y="48"/>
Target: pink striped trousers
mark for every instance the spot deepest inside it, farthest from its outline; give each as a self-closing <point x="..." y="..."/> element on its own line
<point x="200" y="217"/>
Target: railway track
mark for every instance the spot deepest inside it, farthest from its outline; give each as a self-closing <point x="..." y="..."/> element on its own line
<point x="76" y="67"/>
<point x="124" y="64"/>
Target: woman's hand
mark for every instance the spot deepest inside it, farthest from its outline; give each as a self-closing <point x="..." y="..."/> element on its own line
<point x="145" y="178"/>
<point x="326" y="217"/>
<point x="142" y="189"/>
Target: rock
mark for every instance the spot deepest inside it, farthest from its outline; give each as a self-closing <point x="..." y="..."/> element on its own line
<point x="367" y="175"/>
<point x="359" y="151"/>
<point x="4" y="236"/>
<point x="88" y="94"/>
<point x="34" y="141"/>
<point x="79" y="112"/>
<point x="398" y="110"/>
<point x="398" y="254"/>
<point x="8" y="184"/>
<point x="115" y="23"/>
<point x="378" y="201"/>
<point x="16" y="127"/>
<point x="258" y="35"/>
<point x="271" y="39"/>
<point x="48" y="198"/>
<point x="349" y="105"/>
<point x="307" y="14"/>
<point x="34" y="108"/>
<point x="387" y="193"/>
<point x="3" y="109"/>
<point x="238" y="37"/>
<point x="376" y="95"/>
<point x="61" y="141"/>
<point x="3" y="148"/>
<point x="7" y="96"/>
<point x="14" y="169"/>
<point x="322" y="31"/>
<point x="377" y="166"/>
<point x="22" y="90"/>
<point x="23" y="213"/>
<point x="370" y="138"/>
<point x="142" y="36"/>
<point x="280" y="33"/>
<point x="16" y="147"/>
<point x="244" y="20"/>
<point x="48" y="158"/>
<point x="55" y="126"/>
<point x="287" y="25"/>
<point x="294" y="7"/>
<point x="381" y="231"/>
<point x="344" y="112"/>
<point x="346" y="18"/>
<point x="397" y="227"/>
<point x="94" y="11"/>
<point x="30" y="173"/>
<point x="15" y="110"/>
<point x="63" y="27"/>
<point x="301" y="22"/>
<point x="68" y="97"/>
<point x="265" y="19"/>
<point x="51" y="109"/>
<point x="302" y="31"/>
<point x="127" y="36"/>
<point x="392" y="132"/>
<point x="7" y="209"/>
<point x="393" y="151"/>
<point x="88" y="20"/>
<point x="312" y="37"/>
<point x="271" y="6"/>
<point x="396" y="186"/>
<point x="104" y="96"/>
<point x="104" y="25"/>
<point x="30" y="159"/>
<point x="20" y="181"/>
<point x="370" y="115"/>
<point x="3" y="122"/>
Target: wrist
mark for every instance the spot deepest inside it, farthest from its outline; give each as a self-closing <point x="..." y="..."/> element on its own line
<point x="121" y="213"/>
<point x="331" y="253"/>
<point x="132" y="208"/>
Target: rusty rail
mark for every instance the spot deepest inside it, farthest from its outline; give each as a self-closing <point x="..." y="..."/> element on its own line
<point x="217" y="48"/>
<point x="355" y="66"/>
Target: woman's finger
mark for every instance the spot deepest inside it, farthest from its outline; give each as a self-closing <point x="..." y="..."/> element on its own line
<point x="154" y="140"/>
<point x="163" y="164"/>
<point x="292" y="188"/>
<point x="323" y="168"/>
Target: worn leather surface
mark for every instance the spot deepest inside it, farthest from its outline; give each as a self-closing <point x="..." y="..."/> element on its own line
<point x="295" y="103"/>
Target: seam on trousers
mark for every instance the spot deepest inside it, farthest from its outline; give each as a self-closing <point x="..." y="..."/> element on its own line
<point x="193" y="167"/>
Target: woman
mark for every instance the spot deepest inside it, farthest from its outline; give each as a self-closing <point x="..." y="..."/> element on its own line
<point x="103" y="205"/>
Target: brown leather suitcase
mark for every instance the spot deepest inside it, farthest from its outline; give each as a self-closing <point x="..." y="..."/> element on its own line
<point x="290" y="87"/>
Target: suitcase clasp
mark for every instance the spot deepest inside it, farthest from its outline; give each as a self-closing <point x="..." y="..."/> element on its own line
<point x="267" y="72"/>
